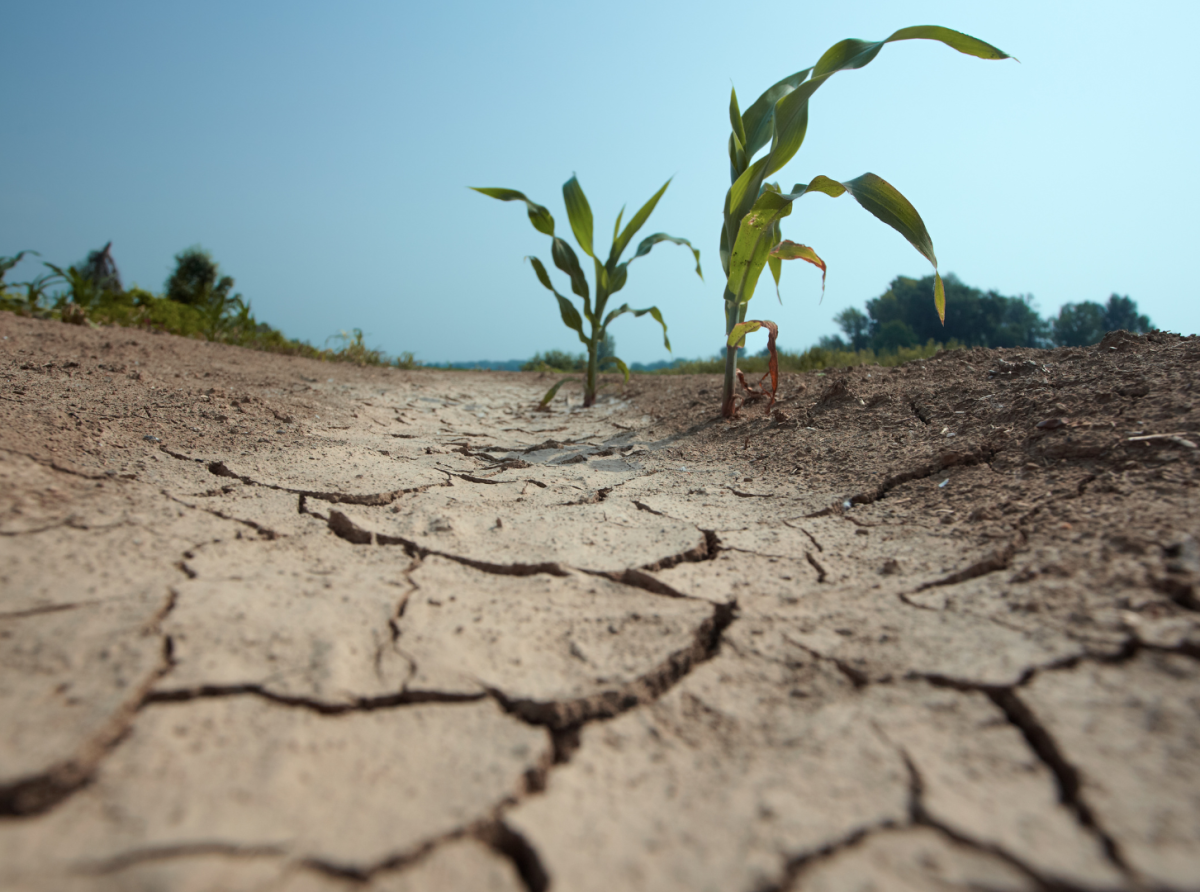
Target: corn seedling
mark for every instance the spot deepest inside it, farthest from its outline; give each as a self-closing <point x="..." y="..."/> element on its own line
<point x="610" y="275"/>
<point x="750" y="234"/>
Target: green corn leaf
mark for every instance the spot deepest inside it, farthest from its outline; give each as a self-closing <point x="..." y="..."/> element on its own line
<point x="776" y="267"/>
<point x="618" y="278"/>
<point x="651" y="240"/>
<point x="735" y="118"/>
<point x="775" y="264"/>
<point x="617" y="225"/>
<point x="638" y="220"/>
<point x="754" y="242"/>
<point x="791" y="110"/>
<point x="759" y="118"/>
<point x="884" y="200"/>
<point x="753" y="245"/>
<point x="737" y="158"/>
<point x="744" y="191"/>
<point x="603" y="285"/>
<point x="552" y="391"/>
<point x="857" y="53"/>
<point x="580" y="214"/>
<point x="939" y="296"/>
<point x="624" y="368"/>
<point x="570" y="315"/>
<point x="737" y="337"/>
<point x="538" y="215"/>
<point x="565" y="259"/>
<point x="653" y="311"/>
<point x="620" y="273"/>
<point x="7" y="263"/>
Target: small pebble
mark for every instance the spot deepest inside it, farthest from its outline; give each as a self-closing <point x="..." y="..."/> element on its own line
<point x="150" y="438"/>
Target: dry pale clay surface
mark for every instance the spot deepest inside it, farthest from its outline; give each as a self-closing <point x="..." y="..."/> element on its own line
<point x="272" y="624"/>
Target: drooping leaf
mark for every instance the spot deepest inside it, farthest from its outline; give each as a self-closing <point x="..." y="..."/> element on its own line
<point x="7" y="263"/>
<point x="787" y="250"/>
<point x="791" y="110"/>
<point x="570" y="315"/>
<point x="884" y="200"/>
<point x="651" y="240"/>
<point x="737" y="338"/>
<point x="635" y="223"/>
<point x="653" y="311"/>
<point x="620" y="272"/>
<point x="852" y="53"/>
<point x="538" y="215"/>
<point x="579" y="212"/>
<point x="776" y="267"/>
<point x="939" y="296"/>
<point x="565" y="259"/>
<point x="620" y="364"/>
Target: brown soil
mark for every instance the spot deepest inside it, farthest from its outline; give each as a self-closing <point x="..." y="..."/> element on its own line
<point x="1091" y="451"/>
<point x="267" y="622"/>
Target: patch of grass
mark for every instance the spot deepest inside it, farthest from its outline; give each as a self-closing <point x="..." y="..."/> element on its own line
<point x="137" y="308"/>
<point x="812" y="359"/>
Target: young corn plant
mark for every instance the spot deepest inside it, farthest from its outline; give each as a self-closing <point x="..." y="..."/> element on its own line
<point x="750" y="234"/>
<point x="610" y="275"/>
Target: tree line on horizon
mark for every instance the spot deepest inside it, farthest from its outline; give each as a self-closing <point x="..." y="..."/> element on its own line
<point x="900" y="318"/>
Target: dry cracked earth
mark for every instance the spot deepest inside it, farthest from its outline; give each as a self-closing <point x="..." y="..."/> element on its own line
<point x="271" y="624"/>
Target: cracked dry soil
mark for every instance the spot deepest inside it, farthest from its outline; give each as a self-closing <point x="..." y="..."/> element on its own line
<point x="269" y="624"/>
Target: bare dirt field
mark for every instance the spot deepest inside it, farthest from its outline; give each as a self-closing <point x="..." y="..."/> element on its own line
<point x="273" y="624"/>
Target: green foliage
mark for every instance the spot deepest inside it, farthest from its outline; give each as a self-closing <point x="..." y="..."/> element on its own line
<point x="101" y="269"/>
<point x="610" y="276"/>
<point x="856" y="325"/>
<point x="1087" y="322"/>
<point x="556" y="361"/>
<point x="980" y="319"/>
<point x="197" y="278"/>
<point x="90" y="292"/>
<point x="751" y="237"/>
<point x="7" y="263"/>
<point x="899" y="318"/>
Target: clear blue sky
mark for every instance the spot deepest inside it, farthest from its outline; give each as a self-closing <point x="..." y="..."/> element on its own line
<point x="322" y="152"/>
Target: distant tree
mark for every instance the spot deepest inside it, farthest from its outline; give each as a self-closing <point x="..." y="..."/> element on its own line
<point x="893" y="335"/>
<point x="973" y="317"/>
<point x="856" y="325"/>
<point x="197" y="280"/>
<point x="1120" y="313"/>
<point x="556" y="360"/>
<point x="607" y="348"/>
<point x="101" y="270"/>
<point x="1078" y="325"/>
<point x="833" y="343"/>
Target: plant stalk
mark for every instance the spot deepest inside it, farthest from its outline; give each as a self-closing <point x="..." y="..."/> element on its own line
<point x="589" y="391"/>
<point x="731" y="319"/>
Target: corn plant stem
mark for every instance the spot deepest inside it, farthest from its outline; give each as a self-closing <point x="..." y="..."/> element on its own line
<point x="731" y="319"/>
<point x="589" y="393"/>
